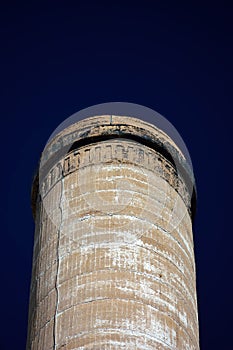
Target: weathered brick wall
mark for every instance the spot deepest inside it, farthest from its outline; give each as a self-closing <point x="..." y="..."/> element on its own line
<point x="113" y="264"/>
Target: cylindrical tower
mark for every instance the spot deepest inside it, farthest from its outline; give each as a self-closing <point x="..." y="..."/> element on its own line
<point x="113" y="264"/>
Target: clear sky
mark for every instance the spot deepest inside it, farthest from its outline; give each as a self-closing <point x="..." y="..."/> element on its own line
<point x="175" y="57"/>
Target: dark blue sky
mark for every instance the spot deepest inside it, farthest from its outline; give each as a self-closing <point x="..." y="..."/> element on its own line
<point x="174" y="57"/>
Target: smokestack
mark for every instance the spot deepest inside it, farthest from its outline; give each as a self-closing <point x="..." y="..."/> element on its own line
<point x="113" y="263"/>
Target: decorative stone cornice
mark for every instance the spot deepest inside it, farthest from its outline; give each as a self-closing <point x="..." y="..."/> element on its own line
<point x="91" y="130"/>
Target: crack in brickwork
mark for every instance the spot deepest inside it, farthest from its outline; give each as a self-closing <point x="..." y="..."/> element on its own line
<point x="58" y="265"/>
